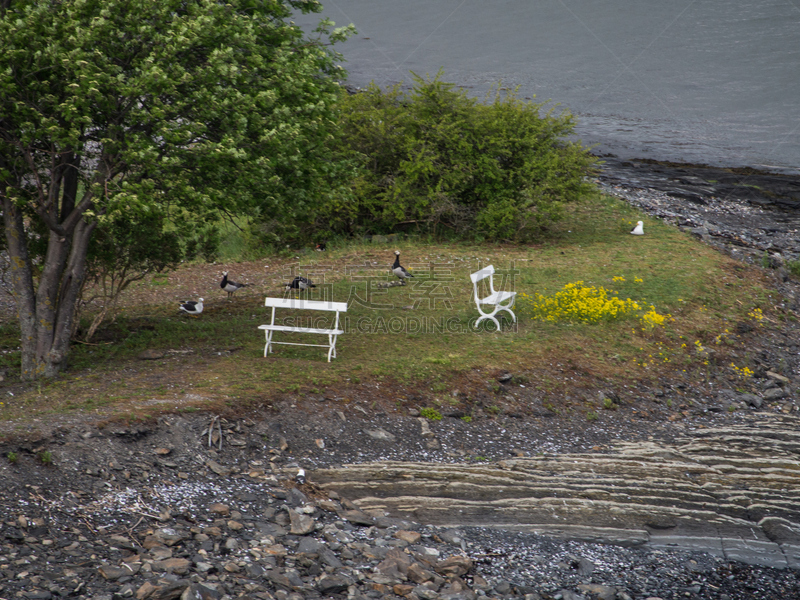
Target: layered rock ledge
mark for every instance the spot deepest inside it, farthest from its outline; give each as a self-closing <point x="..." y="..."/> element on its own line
<point x="731" y="491"/>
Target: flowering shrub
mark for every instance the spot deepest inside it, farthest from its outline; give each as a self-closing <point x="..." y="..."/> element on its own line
<point x="576" y="302"/>
<point x="651" y="319"/>
<point x="743" y="372"/>
<point x="701" y="351"/>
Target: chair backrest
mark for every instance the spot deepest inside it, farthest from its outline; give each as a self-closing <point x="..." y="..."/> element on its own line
<point x="305" y="304"/>
<point x="482" y="274"/>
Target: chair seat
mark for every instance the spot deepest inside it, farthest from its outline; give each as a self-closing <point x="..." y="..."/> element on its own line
<point x="497" y="297"/>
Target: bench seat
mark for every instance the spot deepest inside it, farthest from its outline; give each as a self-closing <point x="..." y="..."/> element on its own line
<point x="301" y="330"/>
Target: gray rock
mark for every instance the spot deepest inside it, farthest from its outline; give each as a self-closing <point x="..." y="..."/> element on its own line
<point x="112" y="573"/>
<point x="585" y="567"/>
<point x="333" y="584"/>
<point x="37" y="595"/>
<point x="455" y="566"/>
<point x="301" y="524"/>
<point x="309" y="545"/>
<point x="297" y="498"/>
<point x="775" y="393"/>
<point x="328" y="557"/>
<point x="395" y="564"/>
<point x="751" y="400"/>
<point x="600" y="592"/>
<point x="502" y="587"/>
<point x="279" y="579"/>
<point x="170" y="591"/>
<point x="452" y="536"/>
<point x="424" y="593"/>
<point x="357" y="517"/>
<point x="777" y="377"/>
<point x="781" y="531"/>
<point x="199" y="591"/>
<point x="570" y="595"/>
<point x="381" y="435"/>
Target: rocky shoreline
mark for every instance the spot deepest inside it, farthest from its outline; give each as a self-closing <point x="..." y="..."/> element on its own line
<point x="191" y="507"/>
<point x="744" y="211"/>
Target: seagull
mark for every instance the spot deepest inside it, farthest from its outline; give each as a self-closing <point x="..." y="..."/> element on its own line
<point x="300" y="477"/>
<point x="230" y="286"/>
<point x="638" y="230"/>
<point x="398" y="270"/>
<point x="299" y="283"/>
<point x="192" y="307"/>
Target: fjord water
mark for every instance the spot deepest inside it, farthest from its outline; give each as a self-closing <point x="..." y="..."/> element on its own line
<point x="711" y="81"/>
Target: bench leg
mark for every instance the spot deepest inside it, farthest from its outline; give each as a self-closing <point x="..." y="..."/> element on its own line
<point x="268" y="346"/>
<point x="332" y="344"/>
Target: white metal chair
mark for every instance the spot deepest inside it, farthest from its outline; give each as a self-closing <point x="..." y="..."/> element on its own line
<point x="494" y="299"/>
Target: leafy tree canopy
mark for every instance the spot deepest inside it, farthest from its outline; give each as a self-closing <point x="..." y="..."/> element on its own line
<point x="445" y="163"/>
<point x="179" y="108"/>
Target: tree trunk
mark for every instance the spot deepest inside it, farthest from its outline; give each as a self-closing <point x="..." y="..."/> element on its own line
<point x="46" y="313"/>
<point x="71" y="282"/>
<point x="22" y="281"/>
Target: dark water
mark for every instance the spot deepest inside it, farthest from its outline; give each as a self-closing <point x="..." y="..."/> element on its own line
<point x="704" y="81"/>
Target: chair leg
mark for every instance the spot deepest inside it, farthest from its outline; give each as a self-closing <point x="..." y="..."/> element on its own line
<point x="509" y="311"/>
<point x="491" y="317"/>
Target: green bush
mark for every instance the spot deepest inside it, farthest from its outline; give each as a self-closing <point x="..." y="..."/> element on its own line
<point x="431" y="414"/>
<point x="436" y="161"/>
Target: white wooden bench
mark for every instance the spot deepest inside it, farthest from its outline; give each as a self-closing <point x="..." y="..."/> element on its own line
<point x="295" y="304"/>
<point x="495" y="299"/>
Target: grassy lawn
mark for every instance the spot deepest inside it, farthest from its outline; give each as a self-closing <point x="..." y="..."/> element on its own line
<point x="415" y="342"/>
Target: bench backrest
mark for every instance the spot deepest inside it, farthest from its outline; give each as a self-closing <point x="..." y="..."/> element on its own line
<point x="305" y="304"/>
<point x="482" y="274"/>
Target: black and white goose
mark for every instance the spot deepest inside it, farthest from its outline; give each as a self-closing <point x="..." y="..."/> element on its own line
<point x="398" y="270"/>
<point x="192" y="307"/>
<point x="299" y="283"/>
<point x="230" y="286"/>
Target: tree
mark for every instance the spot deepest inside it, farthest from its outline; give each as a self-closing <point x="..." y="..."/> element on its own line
<point x="135" y="109"/>
<point x="121" y="253"/>
<point x="503" y="169"/>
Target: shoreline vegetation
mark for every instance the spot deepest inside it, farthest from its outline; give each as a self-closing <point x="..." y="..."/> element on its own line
<point x="665" y="271"/>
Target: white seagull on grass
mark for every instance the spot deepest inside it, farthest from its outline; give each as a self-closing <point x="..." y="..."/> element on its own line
<point x="192" y="307"/>
<point x="639" y="229"/>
